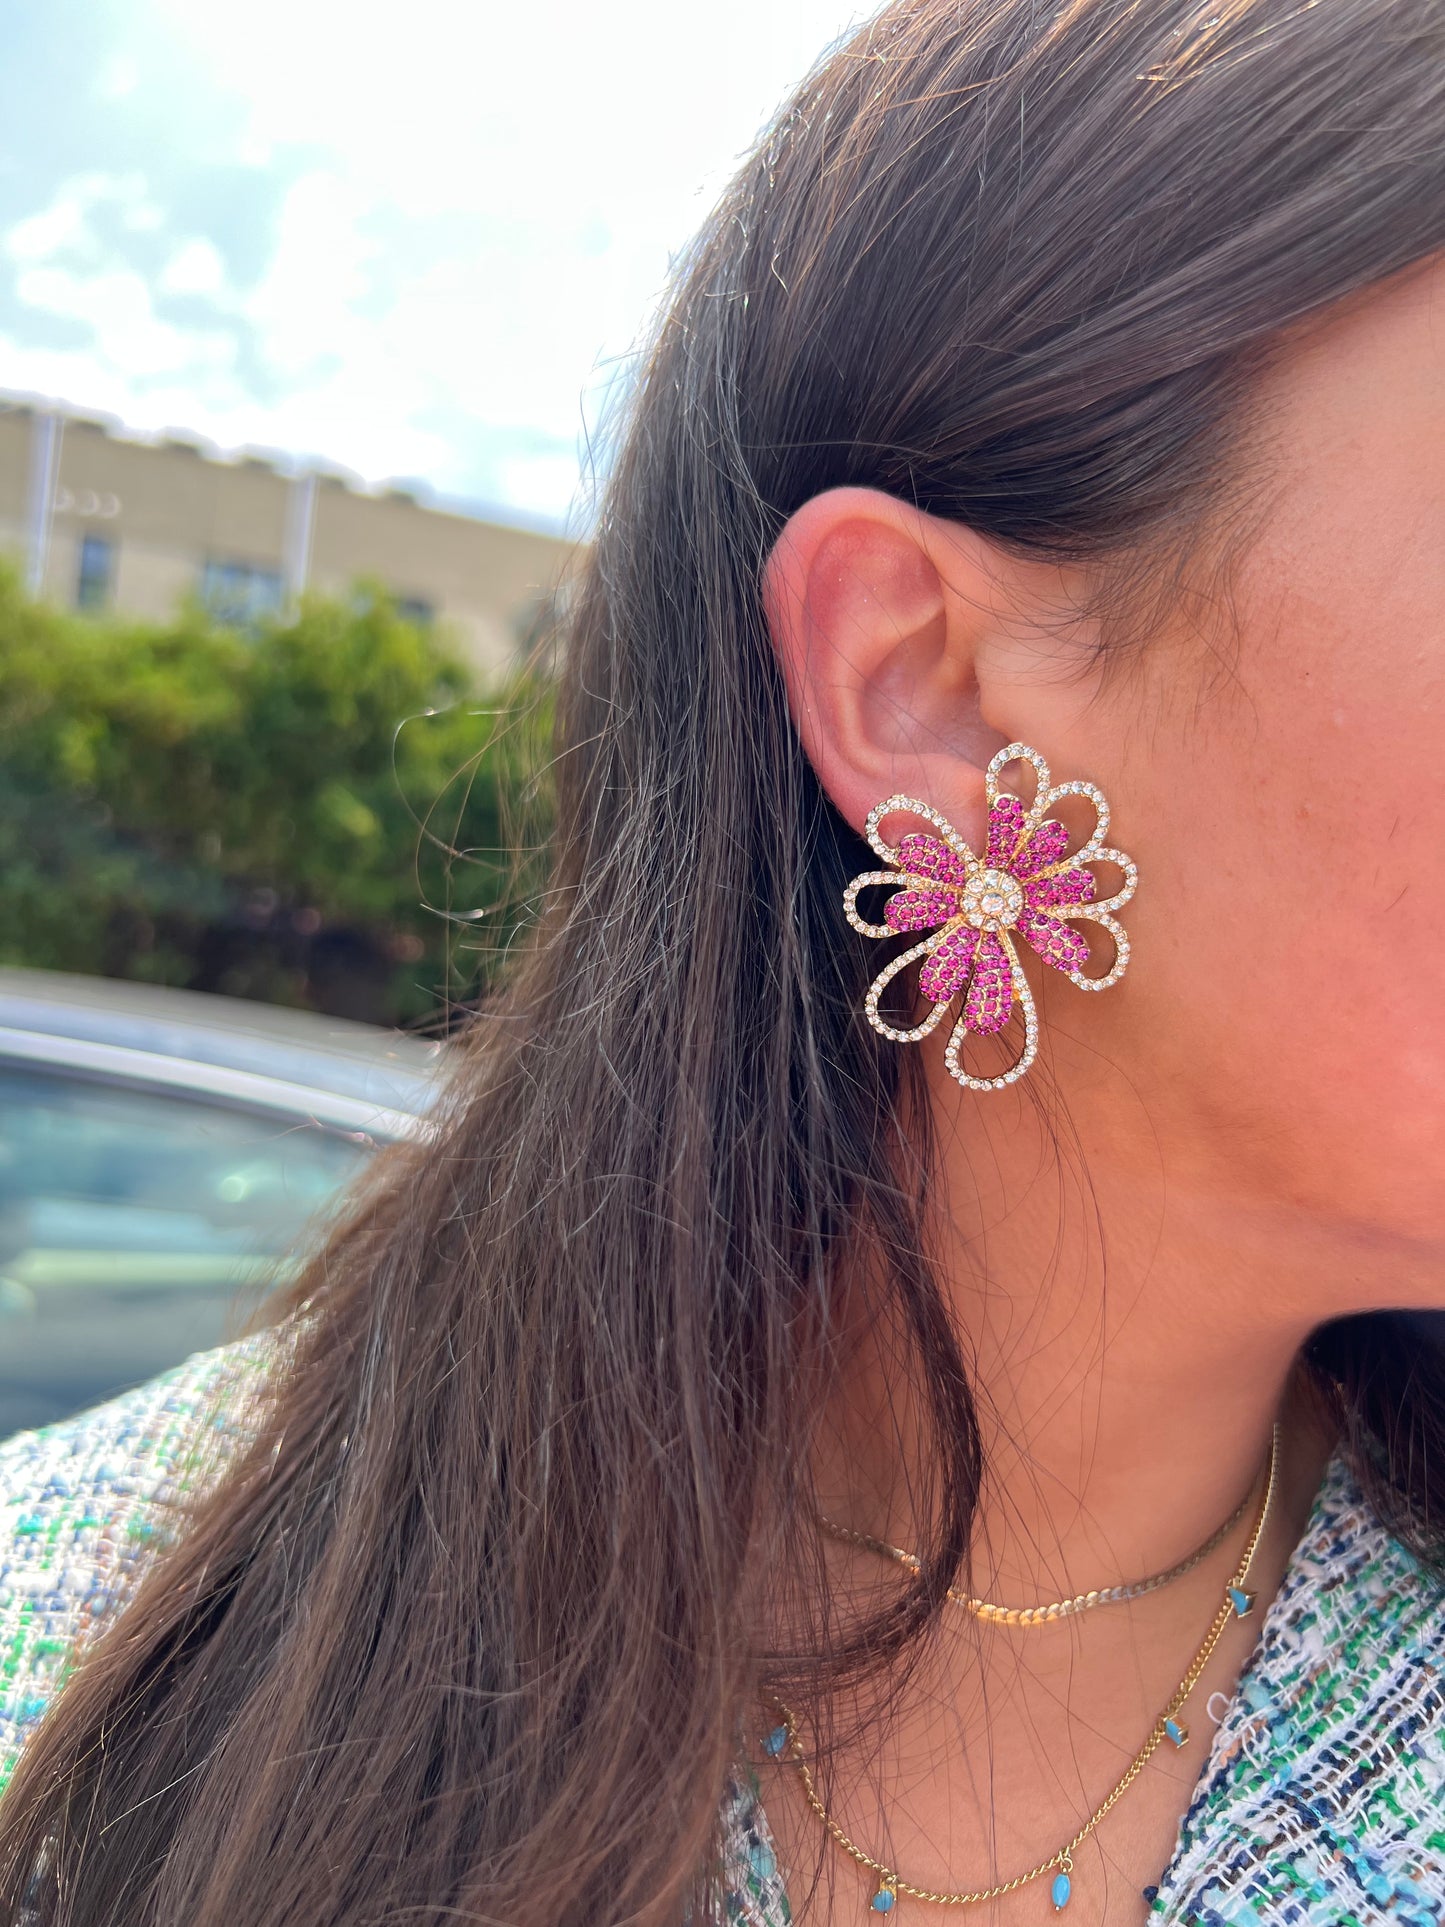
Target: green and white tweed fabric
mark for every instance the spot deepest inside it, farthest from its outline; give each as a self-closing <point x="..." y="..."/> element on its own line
<point x="1321" y="1802"/>
<point x="82" y="1503"/>
<point x="1323" y="1798"/>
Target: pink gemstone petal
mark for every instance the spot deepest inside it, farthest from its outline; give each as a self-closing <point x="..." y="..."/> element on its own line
<point x="1045" y="846"/>
<point x="1057" y="943"/>
<point x="1005" y="820"/>
<point x="1064" y="886"/>
<point x="925" y="856"/>
<point x="945" y="970"/>
<point x="990" y="995"/>
<point x="919" y="909"/>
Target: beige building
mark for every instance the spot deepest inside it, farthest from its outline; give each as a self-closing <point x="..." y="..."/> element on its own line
<point x="102" y="519"/>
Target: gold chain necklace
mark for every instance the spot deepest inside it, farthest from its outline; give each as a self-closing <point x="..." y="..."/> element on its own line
<point x="783" y="1742"/>
<point x="1058" y="1608"/>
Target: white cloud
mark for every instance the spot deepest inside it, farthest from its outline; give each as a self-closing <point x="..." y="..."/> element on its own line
<point x="493" y="199"/>
<point x="306" y="304"/>
<point x="120" y="77"/>
<point x="66" y="269"/>
<point x="547" y="484"/>
<point x="89" y="381"/>
<point x="42" y="234"/>
<point x="130" y="336"/>
<point x="196" y="267"/>
<point x="67" y="226"/>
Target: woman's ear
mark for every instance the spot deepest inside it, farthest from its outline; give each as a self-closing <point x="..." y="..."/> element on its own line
<point x="885" y="620"/>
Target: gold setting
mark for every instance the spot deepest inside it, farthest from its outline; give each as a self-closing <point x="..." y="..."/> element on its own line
<point x="991" y="899"/>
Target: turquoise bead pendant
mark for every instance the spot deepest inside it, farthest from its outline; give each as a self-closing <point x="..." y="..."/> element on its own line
<point x="1062" y="1888"/>
<point x="1177" y="1731"/>
<point x="1242" y="1601"/>
<point x="775" y="1742"/>
<point x="884" y="1901"/>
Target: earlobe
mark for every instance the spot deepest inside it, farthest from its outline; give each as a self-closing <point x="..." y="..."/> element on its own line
<point x="878" y="653"/>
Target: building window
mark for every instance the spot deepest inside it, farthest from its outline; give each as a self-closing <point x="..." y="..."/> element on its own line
<point x="92" y="577"/>
<point x="416" y="610"/>
<point x="240" y="592"/>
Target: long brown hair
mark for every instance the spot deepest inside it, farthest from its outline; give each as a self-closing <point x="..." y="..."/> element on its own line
<point x="469" y="1635"/>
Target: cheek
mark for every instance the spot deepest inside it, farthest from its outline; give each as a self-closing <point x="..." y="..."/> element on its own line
<point x="1287" y="991"/>
<point x="1291" y="948"/>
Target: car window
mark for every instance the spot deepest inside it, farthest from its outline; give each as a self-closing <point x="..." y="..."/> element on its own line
<point x="137" y="1227"/>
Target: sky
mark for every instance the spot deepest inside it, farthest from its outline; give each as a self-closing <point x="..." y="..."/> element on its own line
<point x="416" y="241"/>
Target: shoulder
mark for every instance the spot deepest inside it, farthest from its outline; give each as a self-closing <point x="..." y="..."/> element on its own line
<point x="83" y="1501"/>
<point x="1322" y="1796"/>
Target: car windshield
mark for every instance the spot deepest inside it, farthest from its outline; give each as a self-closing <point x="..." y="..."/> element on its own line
<point x="136" y="1226"/>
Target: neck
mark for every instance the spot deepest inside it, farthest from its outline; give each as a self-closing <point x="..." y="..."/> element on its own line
<point x="1129" y="1348"/>
<point x="1129" y="1352"/>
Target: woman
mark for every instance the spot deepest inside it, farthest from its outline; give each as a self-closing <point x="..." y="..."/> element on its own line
<point x="1066" y="382"/>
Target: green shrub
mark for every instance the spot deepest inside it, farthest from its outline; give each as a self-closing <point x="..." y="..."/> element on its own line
<point x="323" y="811"/>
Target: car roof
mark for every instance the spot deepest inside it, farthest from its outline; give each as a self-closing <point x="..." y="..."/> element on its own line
<point x="347" y="1074"/>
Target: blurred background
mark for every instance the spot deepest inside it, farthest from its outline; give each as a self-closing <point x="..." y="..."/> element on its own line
<point x="313" y="320"/>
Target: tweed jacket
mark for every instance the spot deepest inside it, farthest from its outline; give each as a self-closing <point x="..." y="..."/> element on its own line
<point x="1321" y="1802"/>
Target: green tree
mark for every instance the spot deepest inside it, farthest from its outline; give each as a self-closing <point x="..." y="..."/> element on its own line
<point x="326" y="810"/>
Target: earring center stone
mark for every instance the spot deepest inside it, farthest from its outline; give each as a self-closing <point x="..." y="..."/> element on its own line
<point x="992" y="900"/>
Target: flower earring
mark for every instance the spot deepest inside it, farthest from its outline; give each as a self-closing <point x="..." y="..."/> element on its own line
<point x="1023" y="883"/>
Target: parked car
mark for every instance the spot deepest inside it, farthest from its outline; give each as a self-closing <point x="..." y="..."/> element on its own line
<point x="160" y="1153"/>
